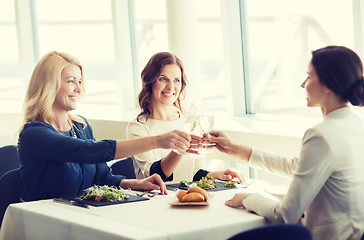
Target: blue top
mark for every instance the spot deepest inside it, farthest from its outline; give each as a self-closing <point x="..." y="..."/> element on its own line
<point x="56" y="165"/>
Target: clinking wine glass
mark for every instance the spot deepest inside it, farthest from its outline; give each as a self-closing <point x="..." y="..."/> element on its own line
<point x="207" y="122"/>
<point x="191" y="124"/>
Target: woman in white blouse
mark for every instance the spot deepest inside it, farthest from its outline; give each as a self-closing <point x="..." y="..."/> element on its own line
<point x="163" y="84"/>
<point x="328" y="179"/>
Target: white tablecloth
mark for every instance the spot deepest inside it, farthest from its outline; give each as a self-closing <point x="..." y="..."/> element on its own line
<point x="151" y="219"/>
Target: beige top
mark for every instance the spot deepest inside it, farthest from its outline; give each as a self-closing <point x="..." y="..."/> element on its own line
<point x="328" y="179"/>
<point x="187" y="167"/>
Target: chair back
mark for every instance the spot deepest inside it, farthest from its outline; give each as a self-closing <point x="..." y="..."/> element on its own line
<point x="276" y="232"/>
<point x="9" y="189"/>
<point x="124" y="167"/>
<point x="8" y="159"/>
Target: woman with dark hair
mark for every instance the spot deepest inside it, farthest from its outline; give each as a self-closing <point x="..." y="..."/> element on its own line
<point x="328" y="181"/>
<point x="163" y="84"/>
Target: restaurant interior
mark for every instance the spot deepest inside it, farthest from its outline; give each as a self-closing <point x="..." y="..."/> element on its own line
<point x="247" y="58"/>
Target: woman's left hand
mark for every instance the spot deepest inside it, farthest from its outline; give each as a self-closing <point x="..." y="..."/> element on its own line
<point x="153" y="182"/>
<point x="228" y="175"/>
<point x="237" y="200"/>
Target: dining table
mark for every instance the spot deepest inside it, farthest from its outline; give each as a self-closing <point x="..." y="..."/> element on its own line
<point x="155" y="217"/>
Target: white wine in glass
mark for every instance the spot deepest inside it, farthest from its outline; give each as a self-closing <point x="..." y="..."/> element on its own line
<point x="191" y="124"/>
<point x="207" y="121"/>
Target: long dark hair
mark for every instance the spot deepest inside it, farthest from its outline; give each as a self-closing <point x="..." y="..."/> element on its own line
<point x="151" y="73"/>
<point x="341" y="70"/>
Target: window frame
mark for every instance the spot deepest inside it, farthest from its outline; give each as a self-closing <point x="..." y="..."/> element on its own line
<point x="123" y="20"/>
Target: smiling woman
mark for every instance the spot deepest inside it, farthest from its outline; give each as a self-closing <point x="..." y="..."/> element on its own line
<point x="70" y="90"/>
<point x="164" y="81"/>
<point x="57" y="150"/>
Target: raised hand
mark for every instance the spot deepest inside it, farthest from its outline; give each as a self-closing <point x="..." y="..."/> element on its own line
<point x="222" y="141"/>
<point x="176" y="139"/>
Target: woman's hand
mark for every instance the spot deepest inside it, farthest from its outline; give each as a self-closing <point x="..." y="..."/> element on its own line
<point x="221" y="139"/>
<point x="237" y="200"/>
<point x="226" y="145"/>
<point x="227" y="175"/>
<point x="195" y="144"/>
<point x="174" y="140"/>
<point x="153" y="182"/>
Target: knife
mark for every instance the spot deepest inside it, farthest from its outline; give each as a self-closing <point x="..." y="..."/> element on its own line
<point x="70" y="202"/>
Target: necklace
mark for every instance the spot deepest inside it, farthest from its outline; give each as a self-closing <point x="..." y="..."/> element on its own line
<point x="73" y="132"/>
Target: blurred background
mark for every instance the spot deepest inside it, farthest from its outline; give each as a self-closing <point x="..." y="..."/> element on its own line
<point x="248" y="57"/>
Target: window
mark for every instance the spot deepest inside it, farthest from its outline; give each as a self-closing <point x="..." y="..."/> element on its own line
<point x="281" y="35"/>
<point x="152" y="37"/>
<point x="114" y="40"/>
<point x="10" y="87"/>
<point x="84" y="29"/>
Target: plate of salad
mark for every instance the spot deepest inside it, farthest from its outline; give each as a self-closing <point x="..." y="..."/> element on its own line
<point x="107" y="195"/>
<point x="208" y="183"/>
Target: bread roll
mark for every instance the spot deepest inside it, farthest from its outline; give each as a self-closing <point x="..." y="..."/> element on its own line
<point x="193" y="197"/>
<point x="199" y="190"/>
<point x="180" y="194"/>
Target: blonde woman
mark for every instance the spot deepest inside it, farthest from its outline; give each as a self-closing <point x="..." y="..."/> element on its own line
<point x="163" y="84"/>
<point x="58" y="152"/>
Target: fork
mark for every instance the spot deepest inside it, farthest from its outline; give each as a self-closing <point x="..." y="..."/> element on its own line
<point x="148" y="194"/>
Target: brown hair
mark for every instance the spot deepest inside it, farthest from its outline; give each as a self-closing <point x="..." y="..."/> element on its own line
<point x="341" y="70"/>
<point x="150" y="75"/>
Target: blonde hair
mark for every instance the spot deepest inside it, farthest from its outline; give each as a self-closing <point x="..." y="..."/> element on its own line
<point x="43" y="87"/>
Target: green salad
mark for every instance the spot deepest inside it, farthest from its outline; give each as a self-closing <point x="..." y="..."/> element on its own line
<point x="184" y="183"/>
<point x="104" y="193"/>
<point x="230" y="184"/>
<point x="207" y="182"/>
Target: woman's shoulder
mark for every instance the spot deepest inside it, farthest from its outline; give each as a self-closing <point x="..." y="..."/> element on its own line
<point x="139" y="121"/>
<point x="36" y="125"/>
<point x="137" y="125"/>
<point x="35" y="130"/>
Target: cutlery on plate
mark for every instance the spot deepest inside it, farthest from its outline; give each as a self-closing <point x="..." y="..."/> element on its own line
<point x="147" y="194"/>
<point x="70" y="202"/>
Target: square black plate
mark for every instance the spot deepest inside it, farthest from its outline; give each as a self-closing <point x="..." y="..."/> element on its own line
<point x="132" y="198"/>
<point x="219" y="186"/>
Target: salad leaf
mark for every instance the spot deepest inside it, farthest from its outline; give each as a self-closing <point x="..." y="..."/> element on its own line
<point x="230" y="184"/>
<point x="183" y="183"/>
<point x="207" y="182"/>
<point x="104" y="193"/>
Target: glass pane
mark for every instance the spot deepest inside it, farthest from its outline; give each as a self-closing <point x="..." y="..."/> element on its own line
<point x="281" y="36"/>
<point x="211" y="53"/>
<point x="83" y="29"/>
<point x="70" y="10"/>
<point x="10" y="87"/>
<point x="152" y="37"/>
<point x="151" y="30"/>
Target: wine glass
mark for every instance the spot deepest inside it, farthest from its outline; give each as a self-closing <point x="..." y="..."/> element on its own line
<point x="191" y="123"/>
<point x="207" y="122"/>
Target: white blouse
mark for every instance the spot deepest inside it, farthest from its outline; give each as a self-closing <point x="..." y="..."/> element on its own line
<point x="328" y="179"/>
<point x="186" y="168"/>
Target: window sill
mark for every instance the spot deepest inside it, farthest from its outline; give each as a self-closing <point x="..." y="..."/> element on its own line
<point x="269" y="124"/>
